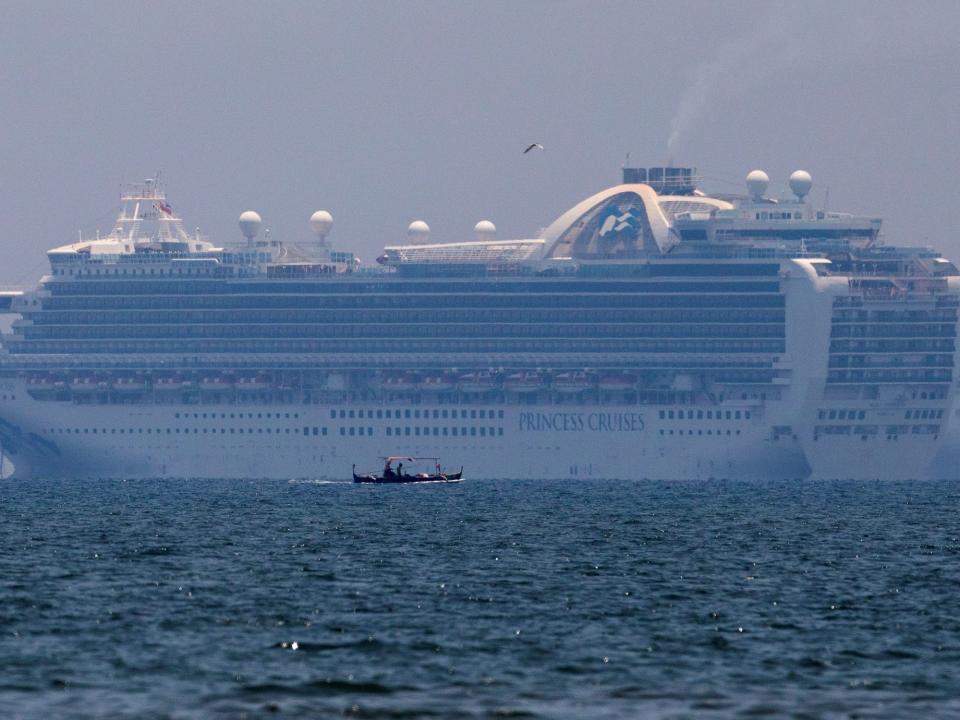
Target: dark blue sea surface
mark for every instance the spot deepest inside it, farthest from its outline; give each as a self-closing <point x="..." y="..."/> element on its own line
<point x="548" y="599"/>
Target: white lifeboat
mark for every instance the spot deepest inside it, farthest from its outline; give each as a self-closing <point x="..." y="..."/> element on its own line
<point x="523" y="382"/>
<point x="129" y="385"/>
<point x="42" y="383"/>
<point x="439" y="383"/>
<point x="617" y="382"/>
<point x="216" y="383"/>
<point x="172" y="383"/>
<point x="402" y="383"/>
<point x="255" y="383"/>
<point x="572" y="383"/>
<point x="476" y="382"/>
<point x="84" y="384"/>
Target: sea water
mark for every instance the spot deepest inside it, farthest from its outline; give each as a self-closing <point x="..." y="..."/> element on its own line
<point x="546" y="599"/>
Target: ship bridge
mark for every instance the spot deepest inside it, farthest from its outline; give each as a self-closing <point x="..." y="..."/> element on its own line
<point x="6" y="300"/>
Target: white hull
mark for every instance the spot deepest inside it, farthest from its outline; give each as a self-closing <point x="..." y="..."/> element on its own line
<point x="61" y="439"/>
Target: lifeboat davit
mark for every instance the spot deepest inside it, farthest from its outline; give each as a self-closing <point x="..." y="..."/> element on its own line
<point x="216" y="383"/>
<point x="523" y="382"/>
<point x="617" y="382"/>
<point x="439" y="383"/>
<point x="403" y="383"/>
<point x="255" y="383"/>
<point x="572" y="383"/>
<point x="476" y="382"/>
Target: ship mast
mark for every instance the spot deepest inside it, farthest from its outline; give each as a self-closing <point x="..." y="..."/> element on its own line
<point x="147" y="201"/>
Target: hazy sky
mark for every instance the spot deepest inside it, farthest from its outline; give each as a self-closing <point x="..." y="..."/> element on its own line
<point x="387" y="112"/>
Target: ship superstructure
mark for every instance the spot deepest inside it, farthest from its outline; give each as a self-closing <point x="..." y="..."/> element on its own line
<point x="652" y="331"/>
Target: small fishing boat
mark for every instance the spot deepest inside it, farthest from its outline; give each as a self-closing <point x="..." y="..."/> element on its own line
<point x="389" y="476"/>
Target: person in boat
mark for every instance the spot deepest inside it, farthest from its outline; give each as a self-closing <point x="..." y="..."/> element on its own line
<point x="400" y="470"/>
<point x="388" y="473"/>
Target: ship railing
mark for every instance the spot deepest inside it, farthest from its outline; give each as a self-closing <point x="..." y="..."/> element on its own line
<point x="453" y="362"/>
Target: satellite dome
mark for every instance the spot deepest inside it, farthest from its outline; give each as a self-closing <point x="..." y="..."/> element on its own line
<point x="250" y="224"/>
<point x="418" y="231"/>
<point x="321" y="222"/>
<point x="800" y="183"/>
<point x="757" y="182"/>
<point x="485" y="230"/>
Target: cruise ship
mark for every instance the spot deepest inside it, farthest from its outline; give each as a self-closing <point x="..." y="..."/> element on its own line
<point x="651" y="331"/>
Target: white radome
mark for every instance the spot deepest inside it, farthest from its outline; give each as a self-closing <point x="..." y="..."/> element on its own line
<point x="418" y="231"/>
<point x="485" y="230"/>
<point x="757" y="182"/>
<point x="250" y="224"/>
<point x="800" y="183"/>
<point x="321" y="222"/>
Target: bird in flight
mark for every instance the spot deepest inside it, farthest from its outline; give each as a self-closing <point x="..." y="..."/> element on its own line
<point x="531" y="146"/>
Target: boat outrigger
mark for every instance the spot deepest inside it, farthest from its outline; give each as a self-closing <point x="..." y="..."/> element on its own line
<point x="391" y="476"/>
